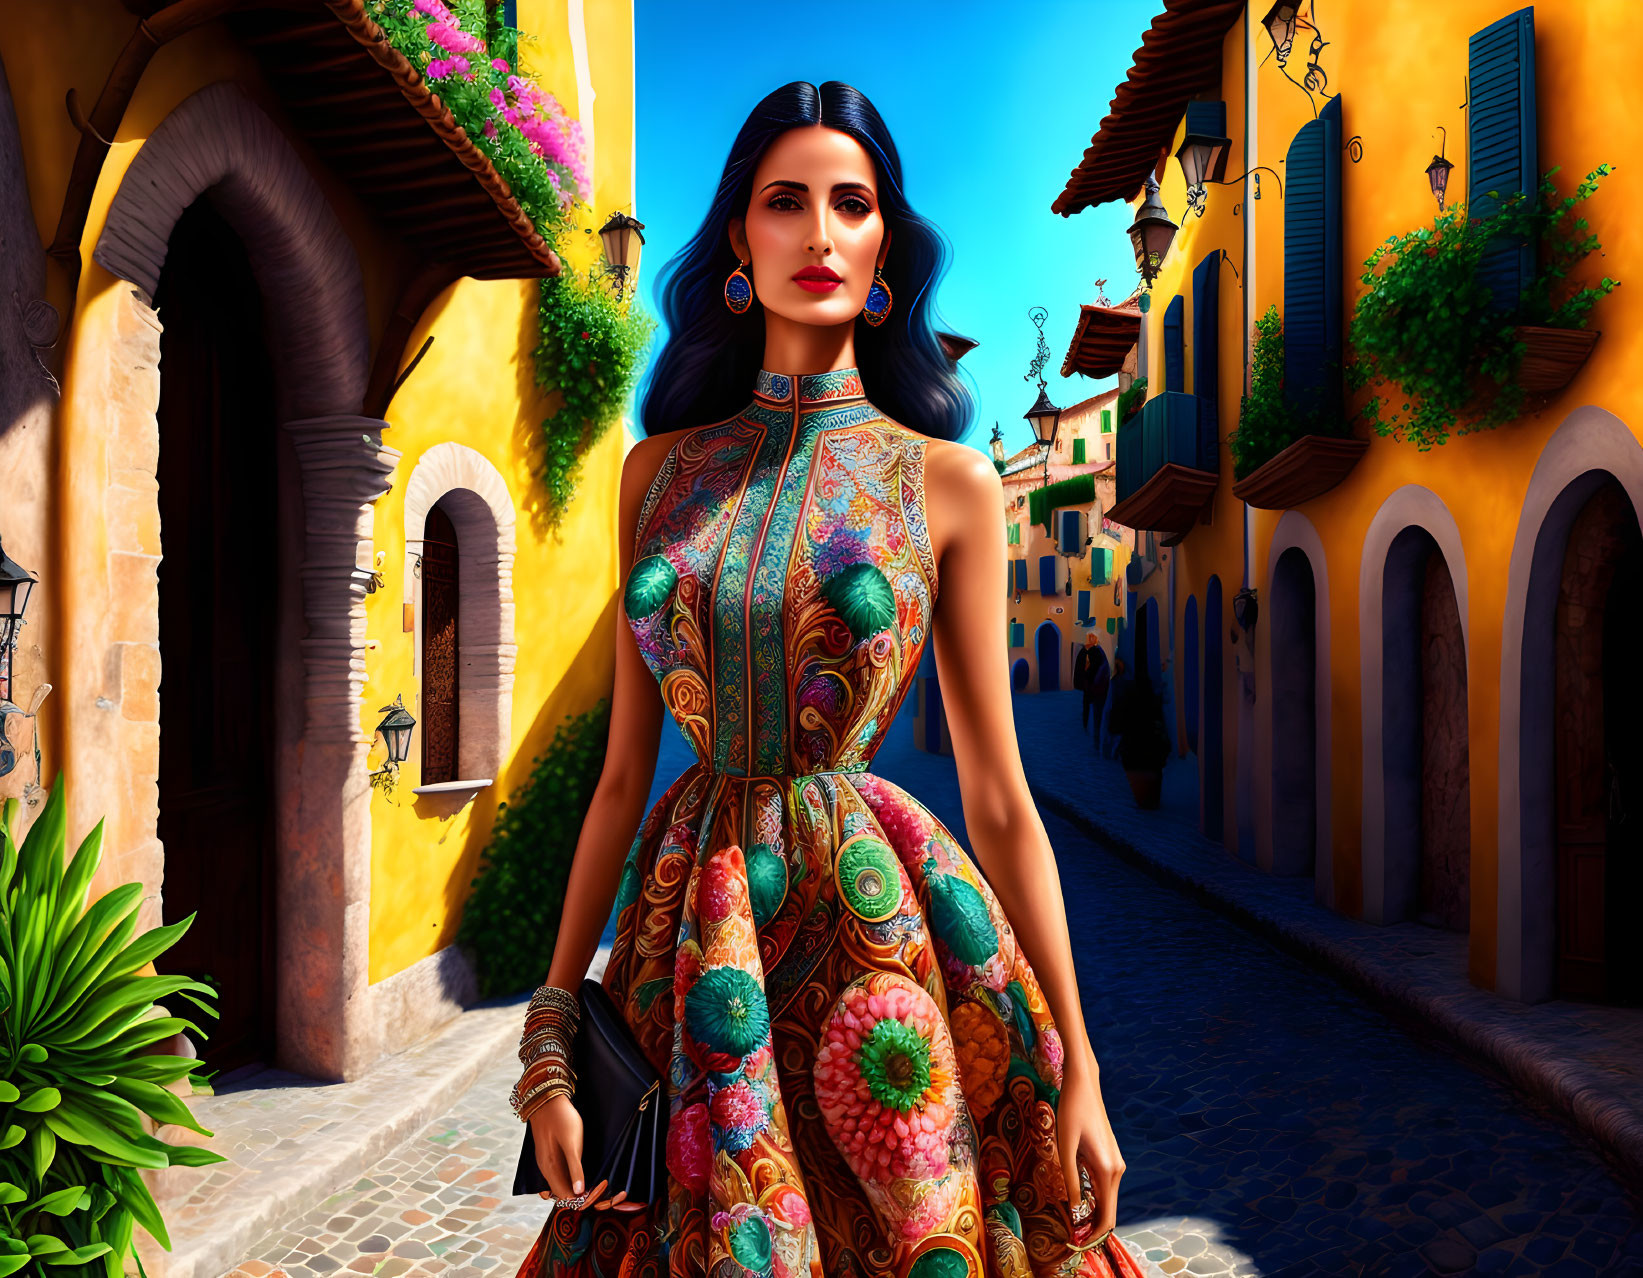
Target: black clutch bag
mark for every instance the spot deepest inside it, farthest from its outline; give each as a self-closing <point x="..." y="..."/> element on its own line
<point x="623" y="1105"/>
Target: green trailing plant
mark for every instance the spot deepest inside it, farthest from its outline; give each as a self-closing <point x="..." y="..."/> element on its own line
<point x="1130" y="401"/>
<point x="590" y="350"/>
<point x="1075" y="490"/>
<point x="1267" y="422"/>
<point x="512" y="917"/>
<point x="1428" y="326"/>
<point x="78" y="1023"/>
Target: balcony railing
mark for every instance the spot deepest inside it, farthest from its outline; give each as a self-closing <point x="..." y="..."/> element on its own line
<point x="1168" y="465"/>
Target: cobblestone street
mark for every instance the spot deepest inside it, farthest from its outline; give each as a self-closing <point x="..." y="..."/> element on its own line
<point x="1274" y="1125"/>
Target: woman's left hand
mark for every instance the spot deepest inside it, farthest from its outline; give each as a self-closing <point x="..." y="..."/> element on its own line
<point x="1084" y="1136"/>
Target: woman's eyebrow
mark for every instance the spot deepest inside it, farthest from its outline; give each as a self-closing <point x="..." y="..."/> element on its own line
<point x="801" y="186"/>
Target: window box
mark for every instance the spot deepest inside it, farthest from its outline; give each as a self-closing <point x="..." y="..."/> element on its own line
<point x="1552" y="356"/>
<point x="1167" y="466"/>
<point x="1307" y="468"/>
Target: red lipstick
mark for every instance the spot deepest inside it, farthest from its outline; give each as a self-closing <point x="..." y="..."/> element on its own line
<point x="817" y="279"/>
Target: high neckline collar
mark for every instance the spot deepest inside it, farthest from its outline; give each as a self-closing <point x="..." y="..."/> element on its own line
<point x="809" y="388"/>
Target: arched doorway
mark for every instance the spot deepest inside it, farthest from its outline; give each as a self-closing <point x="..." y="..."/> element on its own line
<point x="217" y="623"/>
<point x="1211" y="755"/>
<point x="1047" y="641"/>
<point x="1020" y="675"/>
<point x="1294" y="715"/>
<point x="1189" y="692"/>
<point x="1424" y="737"/>
<point x="1598" y="703"/>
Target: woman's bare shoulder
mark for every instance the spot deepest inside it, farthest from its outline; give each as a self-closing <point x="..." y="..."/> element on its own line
<point x="960" y="483"/>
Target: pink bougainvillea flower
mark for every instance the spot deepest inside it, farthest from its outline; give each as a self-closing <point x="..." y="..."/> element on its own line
<point x="885" y="1076"/>
<point x="499" y="64"/>
<point x="689" y="1147"/>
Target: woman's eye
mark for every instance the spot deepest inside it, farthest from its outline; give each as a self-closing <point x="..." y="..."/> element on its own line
<point x="775" y="202"/>
<point x="856" y="205"/>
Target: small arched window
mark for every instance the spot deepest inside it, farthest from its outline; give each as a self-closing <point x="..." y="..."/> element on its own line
<point x="440" y="647"/>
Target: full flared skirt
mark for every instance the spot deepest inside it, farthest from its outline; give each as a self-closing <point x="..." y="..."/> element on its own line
<point x="862" y="1070"/>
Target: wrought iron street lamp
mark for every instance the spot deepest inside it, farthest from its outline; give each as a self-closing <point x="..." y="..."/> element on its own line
<point x="1043" y="415"/>
<point x="997" y="445"/>
<point x="16" y="584"/>
<point x="1246" y="610"/>
<point x="1203" y="150"/>
<point x="1437" y="172"/>
<point x="1280" y="24"/>
<point x="1151" y="234"/>
<point x="395" y="731"/>
<point x="624" y="240"/>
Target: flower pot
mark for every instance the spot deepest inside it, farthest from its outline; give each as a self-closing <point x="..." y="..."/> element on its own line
<point x="1309" y="467"/>
<point x="1553" y="356"/>
<point x="1146" y="786"/>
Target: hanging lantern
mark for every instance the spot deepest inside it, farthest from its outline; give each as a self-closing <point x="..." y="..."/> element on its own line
<point x="1203" y="150"/>
<point x="1245" y="610"/>
<point x="1280" y="25"/>
<point x="1044" y="417"/>
<point x="395" y="730"/>
<point x="1151" y="234"/>
<point x="16" y="584"/>
<point x="623" y="243"/>
<point x="1437" y="174"/>
<point x="997" y="445"/>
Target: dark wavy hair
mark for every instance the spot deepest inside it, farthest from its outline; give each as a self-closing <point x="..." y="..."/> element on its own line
<point x="707" y="367"/>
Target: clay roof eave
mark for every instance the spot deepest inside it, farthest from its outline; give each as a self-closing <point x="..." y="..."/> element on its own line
<point x="383" y="127"/>
<point x="1102" y="340"/>
<point x="1179" y="57"/>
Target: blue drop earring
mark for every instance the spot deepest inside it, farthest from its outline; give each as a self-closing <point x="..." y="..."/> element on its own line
<point x="878" y="300"/>
<point x="738" y="289"/>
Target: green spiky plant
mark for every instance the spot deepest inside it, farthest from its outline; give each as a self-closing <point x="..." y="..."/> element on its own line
<point x="77" y="1024"/>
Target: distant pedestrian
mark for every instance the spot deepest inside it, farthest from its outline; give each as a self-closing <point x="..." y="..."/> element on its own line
<point x="1091" y="677"/>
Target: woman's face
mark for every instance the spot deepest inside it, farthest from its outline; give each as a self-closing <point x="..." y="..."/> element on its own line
<point x="814" y="212"/>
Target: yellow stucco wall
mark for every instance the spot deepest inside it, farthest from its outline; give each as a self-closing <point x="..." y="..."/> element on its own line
<point x="1400" y="68"/>
<point x="476" y="385"/>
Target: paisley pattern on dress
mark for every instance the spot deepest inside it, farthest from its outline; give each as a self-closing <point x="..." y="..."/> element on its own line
<point x="861" y="1068"/>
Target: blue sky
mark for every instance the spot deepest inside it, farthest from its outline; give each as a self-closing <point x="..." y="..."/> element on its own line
<point x="990" y="106"/>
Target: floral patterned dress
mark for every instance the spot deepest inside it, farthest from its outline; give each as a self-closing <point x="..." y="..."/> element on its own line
<point x="863" y="1072"/>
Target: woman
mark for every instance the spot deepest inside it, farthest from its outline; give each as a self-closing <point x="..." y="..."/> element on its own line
<point x="866" y="1074"/>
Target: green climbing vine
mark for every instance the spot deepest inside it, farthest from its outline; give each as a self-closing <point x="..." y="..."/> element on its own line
<point x="590" y="349"/>
<point x="511" y="919"/>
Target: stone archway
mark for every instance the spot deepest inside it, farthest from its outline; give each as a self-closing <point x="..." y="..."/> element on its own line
<point x="1294" y="816"/>
<point x="1413" y="576"/>
<point x="332" y="466"/>
<point x="464" y="483"/>
<point x="1591" y="449"/>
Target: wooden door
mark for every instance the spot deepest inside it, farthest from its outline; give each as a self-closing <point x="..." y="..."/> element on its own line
<point x="1598" y="540"/>
<point x="217" y="582"/>
<point x="440" y="648"/>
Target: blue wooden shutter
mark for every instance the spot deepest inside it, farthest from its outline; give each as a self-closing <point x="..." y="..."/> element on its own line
<point x="1175" y="360"/>
<point x="1018" y="635"/>
<point x="1046" y="574"/>
<point x="1071" y="542"/>
<point x="1312" y="263"/>
<point x="1020" y="574"/>
<point x="1502" y="153"/>
<point x="1206" y="297"/>
<point x="1083" y="607"/>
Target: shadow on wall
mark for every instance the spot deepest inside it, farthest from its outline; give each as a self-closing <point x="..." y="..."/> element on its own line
<point x="28" y="323"/>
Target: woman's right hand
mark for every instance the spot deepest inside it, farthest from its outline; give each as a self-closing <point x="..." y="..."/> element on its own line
<point x="556" y="1128"/>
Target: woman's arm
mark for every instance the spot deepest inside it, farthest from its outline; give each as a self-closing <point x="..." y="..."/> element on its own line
<point x="972" y="660"/>
<point x="636" y="710"/>
<point x="607" y="832"/>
